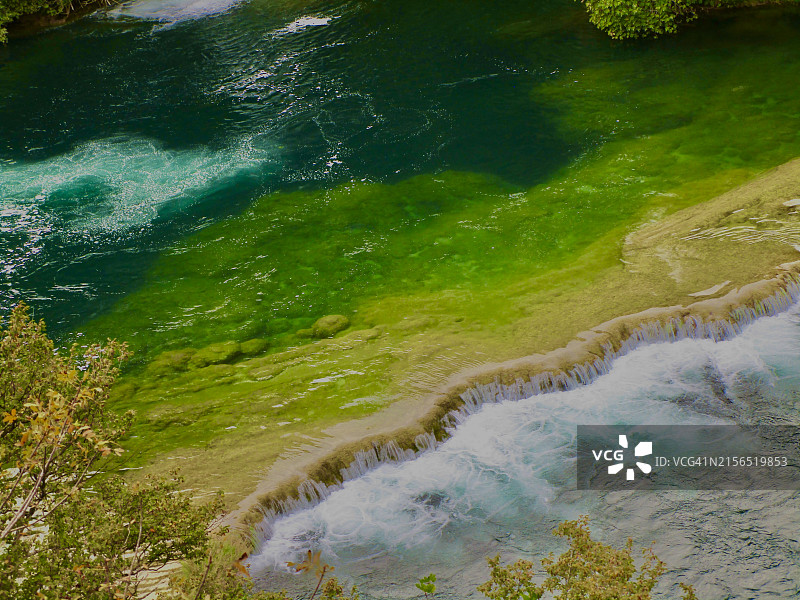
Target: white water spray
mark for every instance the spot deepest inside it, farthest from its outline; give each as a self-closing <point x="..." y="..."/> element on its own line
<point x="119" y="183"/>
<point x="509" y="463"/>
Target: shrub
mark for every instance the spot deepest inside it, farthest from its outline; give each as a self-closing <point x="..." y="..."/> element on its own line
<point x="65" y="530"/>
<point x="588" y="570"/>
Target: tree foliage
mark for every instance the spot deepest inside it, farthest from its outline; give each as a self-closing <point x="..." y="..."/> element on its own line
<point x="588" y="570"/>
<point x="623" y="19"/>
<point x="55" y="425"/>
<point x="591" y="570"/>
<point x="13" y="9"/>
<point x="632" y="19"/>
<point x="64" y="533"/>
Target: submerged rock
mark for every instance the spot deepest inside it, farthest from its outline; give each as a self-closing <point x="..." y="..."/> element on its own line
<point x="408" y="324"/>
<point x="329" y="326"/>
<point x="171" y="361"/>
<point x="215" y="354"/>
<point x="175" y="361"/>
<point x="254" y="346"/>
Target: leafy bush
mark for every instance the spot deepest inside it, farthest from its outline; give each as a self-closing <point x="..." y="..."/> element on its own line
<point x="427" y="584"/>
<point x="588" y="570"/>
<point x="13" y="9"/>
<point x="638" y="18"/>
<point x="64" y="533"/>
<point x="623" y="19"/>
<point x="55" y="425"/>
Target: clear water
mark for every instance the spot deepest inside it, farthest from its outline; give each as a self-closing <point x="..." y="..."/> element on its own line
<point x="506" y="478"/>
<point x="177" y="172"/>
<point x="180" y="113"/>
<point x="124" y="133"/>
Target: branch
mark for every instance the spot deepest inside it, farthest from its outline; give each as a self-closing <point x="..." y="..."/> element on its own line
<point x="24" y="508"/>
<point x="22" y="472"/>
<point x="319" y="583"/>
<point x="132" y="571"/>
<point x="205" y="575"/>
<point x="63" y="499"/>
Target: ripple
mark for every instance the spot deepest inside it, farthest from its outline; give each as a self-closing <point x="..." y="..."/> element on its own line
<point x="118" y="183"/>
<point x="172" y="11"/>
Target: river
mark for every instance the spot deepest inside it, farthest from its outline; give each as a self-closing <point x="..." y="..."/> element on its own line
<point x="179" y="173"/>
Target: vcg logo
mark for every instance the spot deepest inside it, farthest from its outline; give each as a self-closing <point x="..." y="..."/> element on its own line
<point x="618" y="457"/>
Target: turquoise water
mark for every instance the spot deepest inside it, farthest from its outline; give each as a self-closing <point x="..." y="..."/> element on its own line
<point x="119" y="135"/>
<point x="125" y="132"/>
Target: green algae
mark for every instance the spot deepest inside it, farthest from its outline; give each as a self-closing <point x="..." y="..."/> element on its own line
<point x="215" y="354"/>
<point x="443" y="271"/>
<point x="329" y="325"/>
<point x="292" y="258"/>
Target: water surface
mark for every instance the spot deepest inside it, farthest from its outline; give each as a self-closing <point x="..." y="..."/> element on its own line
<point x="181" y="173"/>
<point x="506" y="478"/>
<point x="127" y="131"/>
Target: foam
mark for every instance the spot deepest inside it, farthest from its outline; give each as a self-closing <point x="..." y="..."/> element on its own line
<point x="172" y="11"/>
<point x="119" y="183"/>
<point x="508" y="452"/>
<point x="303" y="23"/>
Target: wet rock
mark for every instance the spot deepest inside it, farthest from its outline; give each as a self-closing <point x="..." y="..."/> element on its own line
<point x="329" y="326"/>
<point x="170" y="362"/>
<point x="215" y="354"/>
<point x="305" y="333"/>
<point x="254" y="346"/>
<point x="432" y="499"/>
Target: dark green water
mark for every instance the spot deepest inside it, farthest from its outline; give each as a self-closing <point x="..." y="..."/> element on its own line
<point x="119" y="137"/>
<point x="124" y="133"/>
<point x="179" y="174"/>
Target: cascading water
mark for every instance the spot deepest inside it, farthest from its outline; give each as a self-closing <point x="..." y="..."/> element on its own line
<point x="456" y="145"/>
<point x="506" y="477"/>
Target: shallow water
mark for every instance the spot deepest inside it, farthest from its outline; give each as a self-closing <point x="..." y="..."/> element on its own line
<point x="506" y="478"/>
<point x="174" y="94"/>
<point x="179" y="173"/>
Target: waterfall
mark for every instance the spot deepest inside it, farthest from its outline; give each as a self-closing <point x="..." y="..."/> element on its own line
<point x="311" y="493"/>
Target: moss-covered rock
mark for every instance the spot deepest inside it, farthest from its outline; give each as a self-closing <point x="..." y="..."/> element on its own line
<point x="215" y="354"/>
<point x="170" y="362"/>
<point x="254" y="346"/>
<point x="124" y="391"/>
<point x="305" y="333"/>
<point x="329" y="325"/>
